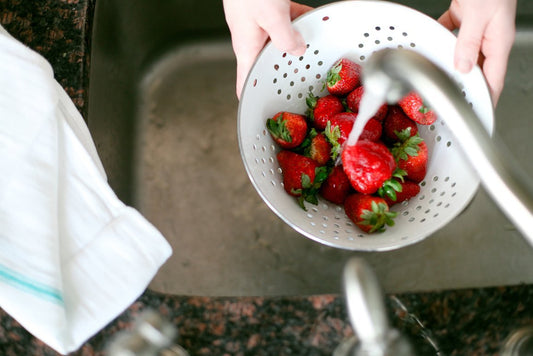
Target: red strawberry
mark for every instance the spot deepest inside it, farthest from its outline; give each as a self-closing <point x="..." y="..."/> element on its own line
<point x="287" y="129"/>
<point x="336" y="187"/>
<point x="368" y="165"/>
<point x="302" y="176"/>
<point x="395" y="122"/>
<point x="415" y="165"/>
<point x="343" y="77"/>
<point x="338" y="129"/>
<point x="319" y="149"/>
<point x="321" y="109"/>
<point x="354" y="98"/>
<point x="414" y="107"/>
<point x="408" y="190"/>
<point x="372" y="130"/>
<point x="368" y="212"/>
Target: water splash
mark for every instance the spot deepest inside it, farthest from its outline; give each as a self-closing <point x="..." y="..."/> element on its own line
<point x="371" y="101"/>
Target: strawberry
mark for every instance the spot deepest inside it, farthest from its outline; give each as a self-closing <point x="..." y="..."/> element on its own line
<point x="336" y="187"/>
<point x="343" y="77"/>
<point x="408" y="190"/>
<point x="319" y="149"/>
<point x="414" y="107"/>
<point x="338" y="129"/>
<point x="413" y="161"/>
<point x="372" y="131"/>
<point x="302" y="176"/>
<point x="321" y="109"/>
<point x="287" y="129"/>
<point x="396" y="121"/>
<point x="368" y="165"/>
<point x="354" y="99"/>
<point x="370" y="213"/>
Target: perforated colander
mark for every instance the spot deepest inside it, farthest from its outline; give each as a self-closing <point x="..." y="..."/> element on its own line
<point x="281" y="82"/>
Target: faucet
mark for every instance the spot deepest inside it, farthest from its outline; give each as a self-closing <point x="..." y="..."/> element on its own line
<point x="397" y="71"/>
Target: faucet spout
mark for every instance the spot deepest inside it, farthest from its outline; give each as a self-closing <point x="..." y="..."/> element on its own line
<point x="397" y="71"/>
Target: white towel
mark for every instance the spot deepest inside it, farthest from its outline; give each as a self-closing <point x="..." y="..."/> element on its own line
<point x="72" y="255"/>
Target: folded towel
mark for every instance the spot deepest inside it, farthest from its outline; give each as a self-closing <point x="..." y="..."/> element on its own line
<point x="72" y="255"/>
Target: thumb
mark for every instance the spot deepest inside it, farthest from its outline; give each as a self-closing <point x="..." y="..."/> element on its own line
<point x="468" y="43"/>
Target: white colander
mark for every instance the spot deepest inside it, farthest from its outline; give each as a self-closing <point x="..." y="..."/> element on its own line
<point x="281" y="82"/>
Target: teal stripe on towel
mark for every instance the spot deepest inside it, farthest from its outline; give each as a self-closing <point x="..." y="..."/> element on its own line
<point x="22" y="282"/>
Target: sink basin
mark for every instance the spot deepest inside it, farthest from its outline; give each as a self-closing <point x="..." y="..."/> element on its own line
<point x="163" y="111"/>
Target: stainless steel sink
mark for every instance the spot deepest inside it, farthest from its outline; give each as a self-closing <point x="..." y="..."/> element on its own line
<point x="162" y="112"/>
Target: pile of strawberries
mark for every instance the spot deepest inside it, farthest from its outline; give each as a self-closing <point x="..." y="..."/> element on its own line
<point x="383" y="168"/>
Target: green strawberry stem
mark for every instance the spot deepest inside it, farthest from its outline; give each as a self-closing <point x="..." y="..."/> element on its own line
<point x="378" y="217"/>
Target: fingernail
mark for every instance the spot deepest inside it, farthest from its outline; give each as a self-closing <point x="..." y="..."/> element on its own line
<point x="300" y="45"/>
<point x="464" y="65"/>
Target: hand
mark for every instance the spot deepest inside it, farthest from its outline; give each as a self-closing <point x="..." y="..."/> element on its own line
<point x="486" y="35"/>
<point x="253" y="22"/>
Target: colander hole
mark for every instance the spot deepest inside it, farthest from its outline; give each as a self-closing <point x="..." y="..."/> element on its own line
<point x="433" y="190"/>
<point x="421" y="197"/>
<point x="320" y="63"/>
<point x="377" y="41"/>
<point x="279" y="91"/>
<point x="285" y="75"/>
<point x="263" y="160"/>
<point x="307" y="66"/>
<point x="405" y="213"/>
<point x="437" y="214"/>
<point x="311" y="88"/>
<point x="362" y="58"/>
<point x="325" y="218"/>
<point x="302" y="79"/>
<point x="315" y="210"/>
<point x="404" y="34"/>
<point x="272" y="172"/>
<point x="296" y="70"/>
<point x="422" y="220"/>
<point x="288" y="96"/>
<point x="432" y="128"/>
<point x="263" y="174"/>
<point x="412" y="45"/>
<point x="438" y="138"/>
<point x="419" y="207"/>
<point x="442" y="194"/>
<point x="309" y="216"/>
<point x="436" y="178"/>
<point x="400" y="46"/>
<point x="322" y="232"/>
<point x="439" y="203"/>
<point x="454" y="184"/>
<point x="324" y="225"/>
<point x="350" y="238"/>
<point x="276" y="66"/>
<point x="389" y="38"/>
<point x="289" y="62"/>
<point x="313" y="223"/>
<point x="280" y="171"/>
<point x="255" y="82"/>
<point x="447" y="179"/>
<point x="423" y="184"/>
<point x="300" y="95"/>
<point x="273" y="148"/>
<point x="318" y="76"/>
<point x="453" y="194"/>
<point x="254" y="147"/>
<point x="301" y="58"/>
<point x="431" y="201"/>
<point x="361" y="45"/>
<point x="336" y="237"/>
<point x="366" y="34"/>
<point x="275" y="80"/>
<point x="447" y="205"/>
<point x="284" y="55"/>
<point x="257" y="160"/>
<point x="391" y="28"/>
<point x="291" y="83"/>
<point x="316" y="52"/>
<point x="273" y="183"/>
<point x="448" y="144"/>
<point x="378" y="28"/>
<point x="427" y="211"/>
<point x="411" y="219"/>
<point x="263" y="148"/>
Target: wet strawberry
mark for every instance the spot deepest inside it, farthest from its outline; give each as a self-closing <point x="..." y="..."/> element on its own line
<point x="343" y="77"/>
<point x="336" y="187"/>
<point x="321" y="109"/>
<point x="368" y="212"/>
<point x="287" y="129"/>
<point x="414" y="107"/>
<point x="354" y="99"/>
<point x="338" y="129"/>
<point x="414" y="163"/>
<point x="408" y="190"/>
<point x="302" y="176"/>
<point x="395" y="122"/>
<point x="372" y="131"/>
<point x="368" y="165"/>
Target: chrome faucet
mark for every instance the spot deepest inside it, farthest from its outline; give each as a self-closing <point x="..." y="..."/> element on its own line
<point x="397" y="71"/>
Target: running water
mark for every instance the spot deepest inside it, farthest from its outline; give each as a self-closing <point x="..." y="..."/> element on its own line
<point x="370" y="103"/>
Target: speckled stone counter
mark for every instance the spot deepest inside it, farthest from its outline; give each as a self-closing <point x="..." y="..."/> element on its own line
<point x="460" y="322"/>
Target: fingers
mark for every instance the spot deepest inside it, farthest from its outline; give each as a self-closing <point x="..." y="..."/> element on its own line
<point x="447" y="20"/>
<point x="277" y="23"/>
<point x="469" y="42"/>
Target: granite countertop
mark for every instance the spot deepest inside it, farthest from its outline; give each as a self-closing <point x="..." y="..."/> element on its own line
<point x="469" y="321"/>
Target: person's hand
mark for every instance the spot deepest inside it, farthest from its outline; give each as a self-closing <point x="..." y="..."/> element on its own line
<point x="253" y="22"/>
<point x="486" y="35"/>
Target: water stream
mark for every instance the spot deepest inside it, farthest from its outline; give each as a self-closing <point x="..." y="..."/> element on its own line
<point x="370" y="103"/>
